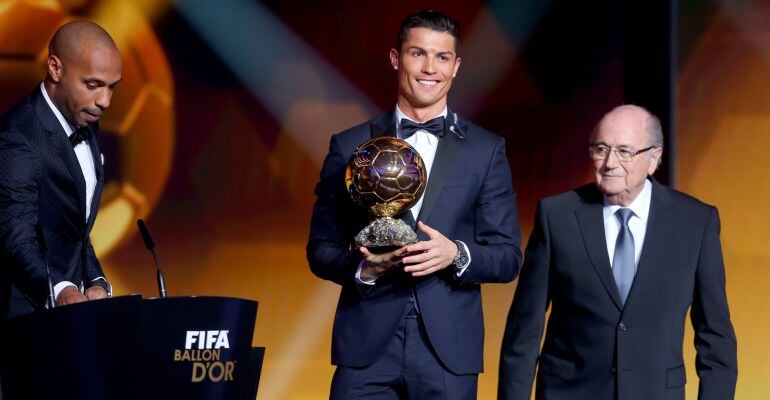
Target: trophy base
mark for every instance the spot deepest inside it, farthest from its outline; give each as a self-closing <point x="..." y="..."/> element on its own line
<point x="385" y="234"/>
<point x="382" y="249"/>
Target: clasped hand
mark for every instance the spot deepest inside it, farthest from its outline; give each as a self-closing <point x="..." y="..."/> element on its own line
<point x="71" y="295"/>
<point x="419" y="259"/>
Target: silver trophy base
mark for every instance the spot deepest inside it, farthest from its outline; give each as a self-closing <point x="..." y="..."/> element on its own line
<point x="385" y="233"/>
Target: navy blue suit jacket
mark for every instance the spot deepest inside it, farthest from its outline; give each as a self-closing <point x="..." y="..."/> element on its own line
<point x="469" y="197"/>
<point x="596" y="348"/>
<point x="42" y="189"/>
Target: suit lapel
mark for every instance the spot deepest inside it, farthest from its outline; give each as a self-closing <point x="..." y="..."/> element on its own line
<point x="62" y="145"/>
<point x="591" y="221"/>
<point x="96" y="154"/>
<point x="448" y="148"/>
<point x="659" y="228"/>
<point x="384" y="125"/>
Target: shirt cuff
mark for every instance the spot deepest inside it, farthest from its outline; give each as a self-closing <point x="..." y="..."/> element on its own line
<point x="61" y="286"/>
<point x="369" y="282"/>
<point x="460" y="269"/>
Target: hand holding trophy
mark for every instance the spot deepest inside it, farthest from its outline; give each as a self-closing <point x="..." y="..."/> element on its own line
<point x="387" y="176"/>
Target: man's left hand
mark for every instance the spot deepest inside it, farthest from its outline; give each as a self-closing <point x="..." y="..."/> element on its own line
<point x="96" y="293"/>
<point x="430" y="256"/>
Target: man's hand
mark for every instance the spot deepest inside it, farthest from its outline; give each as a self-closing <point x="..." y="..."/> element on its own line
<point x="376" y="265"/>
<point x="70" y="295"/>
<point x="430" y="256"/>
<point x="96" y="293"/>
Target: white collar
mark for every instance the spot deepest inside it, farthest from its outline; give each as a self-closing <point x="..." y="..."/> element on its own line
<point x="68" y="128"/>
<point x="640" y="206"/>
<point x="400" y="115"/>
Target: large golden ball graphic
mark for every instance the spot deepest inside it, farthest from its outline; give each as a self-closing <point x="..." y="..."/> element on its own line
<point x="137" y="131"/>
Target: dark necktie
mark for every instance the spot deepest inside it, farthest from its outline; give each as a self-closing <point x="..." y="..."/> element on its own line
<point x="80" y="135"/>
<point x="624" y="260"/>
<point x="435" y="126"/>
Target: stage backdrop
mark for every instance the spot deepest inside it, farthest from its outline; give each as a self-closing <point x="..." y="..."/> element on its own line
<point x="723" y="137"/>
<point x="218" y="132"/>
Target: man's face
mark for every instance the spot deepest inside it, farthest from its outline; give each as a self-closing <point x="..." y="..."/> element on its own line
<point x="86" y="83"/>
<point x="624" y="180"/>
<point x="426" y="62"/>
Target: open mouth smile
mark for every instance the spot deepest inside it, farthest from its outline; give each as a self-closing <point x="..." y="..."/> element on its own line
<point x="426" y="82"/>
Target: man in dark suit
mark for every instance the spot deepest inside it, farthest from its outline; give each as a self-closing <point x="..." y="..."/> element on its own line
<point x="51" y="174"/>
<point x="620" y="262"/>
<point x="409" y="322"/>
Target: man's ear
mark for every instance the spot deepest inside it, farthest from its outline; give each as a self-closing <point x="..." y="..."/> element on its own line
<point x="394" y="58"/>
<point x="457" y="67"/>
<point x="54" y="68"/>
<point x="655" y="160"/>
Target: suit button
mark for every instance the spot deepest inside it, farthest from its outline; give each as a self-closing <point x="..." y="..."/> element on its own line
<point x="613" y="370"/>
<point x="622" y="327"/>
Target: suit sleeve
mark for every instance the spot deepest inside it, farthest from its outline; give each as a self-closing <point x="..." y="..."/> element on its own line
<point x="94" y="268"/>
<point x="715" y="342"/>
<point x="526" y="318"/>
<point x="496" y="249"/>
<point x="19" y="184"/>
<point x="329" y="250"/>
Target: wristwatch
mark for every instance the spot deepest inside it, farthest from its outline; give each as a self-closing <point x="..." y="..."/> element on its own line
<point x="461" y="259"/>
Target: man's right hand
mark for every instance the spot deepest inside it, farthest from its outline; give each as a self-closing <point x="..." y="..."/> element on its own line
<point x="376" y="265"/>
<point x="70" y="295"/>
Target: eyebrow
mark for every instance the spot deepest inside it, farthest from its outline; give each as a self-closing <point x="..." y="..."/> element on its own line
<point x="426" y="51"/>
<point x="622" y="146"/>
<point x="101" y="82"/>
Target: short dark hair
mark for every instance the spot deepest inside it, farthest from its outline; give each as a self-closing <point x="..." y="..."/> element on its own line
<point x="432" y="20"/>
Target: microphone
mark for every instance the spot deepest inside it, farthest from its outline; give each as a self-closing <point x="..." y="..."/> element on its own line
<point x="43" y="249"/>
<point x="151" y="246"/>
<point x="455" y="128"/>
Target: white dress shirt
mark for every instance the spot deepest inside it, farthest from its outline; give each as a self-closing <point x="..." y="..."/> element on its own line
<point x="425" y="143"/>
<point x="637" y="224"/>
<point x="86" y="161"/>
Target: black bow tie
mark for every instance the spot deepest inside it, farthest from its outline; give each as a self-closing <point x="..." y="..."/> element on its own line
<point x="80" y="135"/>
<point x="434" y="126"/>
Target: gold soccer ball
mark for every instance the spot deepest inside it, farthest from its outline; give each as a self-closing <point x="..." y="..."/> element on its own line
<point x="386" y="175"/>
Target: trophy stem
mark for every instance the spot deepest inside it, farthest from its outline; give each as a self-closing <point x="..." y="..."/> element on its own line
<point x="385" y="234"/>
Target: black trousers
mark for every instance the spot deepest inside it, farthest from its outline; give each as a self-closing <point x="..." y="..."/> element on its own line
<point x="409" y="369"/>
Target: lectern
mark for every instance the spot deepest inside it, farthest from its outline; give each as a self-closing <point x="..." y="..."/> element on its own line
<point x="130" y="348"/>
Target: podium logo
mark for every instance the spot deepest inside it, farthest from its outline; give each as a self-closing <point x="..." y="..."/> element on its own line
<point x="204" y="350"/>
<point x="207" y="340"/>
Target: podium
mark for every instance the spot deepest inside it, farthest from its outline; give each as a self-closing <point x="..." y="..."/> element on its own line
<point x="133" y="348"/>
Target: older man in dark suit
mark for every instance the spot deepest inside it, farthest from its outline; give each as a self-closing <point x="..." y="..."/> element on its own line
<point x="51" y="174"/>
<point x="620" y="261"/>
<point x="409" y="322"/>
